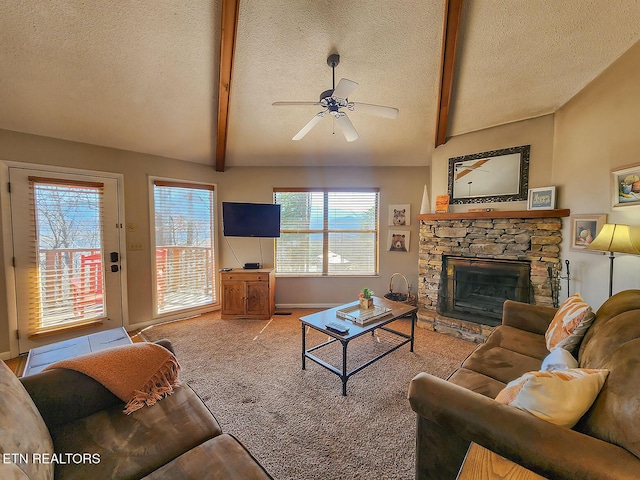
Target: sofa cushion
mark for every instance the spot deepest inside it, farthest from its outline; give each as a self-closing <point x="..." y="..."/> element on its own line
<point x="220" y="458"/>
<point x="569" y="324"/>
<point x="559" y="359"/>
<point x="560" y="397"/>
<point x="476" y="382"/>
<point x="131" y="446"/>
<point x="519" y="341"/>
<point x="500" y="363"/>
<point x="22" y="431"/>
<point x="614" y="415"/>
<point x="621" y="302"/>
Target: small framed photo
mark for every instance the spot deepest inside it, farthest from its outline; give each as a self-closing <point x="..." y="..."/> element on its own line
<point x="626" y="187"/>
<point x="542" y="198"/>
<point x="399" y="215"/>
<point x="399" y="240"/>
<point x="584" y="228"/>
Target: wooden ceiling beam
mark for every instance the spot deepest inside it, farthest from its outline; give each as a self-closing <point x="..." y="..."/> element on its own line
<point x="230" y="9"/>
<point x="452" y="14"/>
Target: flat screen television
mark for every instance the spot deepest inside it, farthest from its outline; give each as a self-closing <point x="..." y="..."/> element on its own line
<point x="250" y="219"/>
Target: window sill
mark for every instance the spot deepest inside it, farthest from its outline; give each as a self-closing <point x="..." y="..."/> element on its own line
<point x="65" y="329"/>
<point x="332" y="275"/>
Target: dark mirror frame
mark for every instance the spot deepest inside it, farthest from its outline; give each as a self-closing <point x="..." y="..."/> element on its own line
<point x="523" y="183"/>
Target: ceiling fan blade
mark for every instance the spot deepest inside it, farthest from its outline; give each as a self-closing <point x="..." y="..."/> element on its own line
<point x="379" y="110"/>
<point x="347" y="128"/>
<point x="280" y="104"/>
<point x="307" y="128"/>
<point x="344" y="88"/>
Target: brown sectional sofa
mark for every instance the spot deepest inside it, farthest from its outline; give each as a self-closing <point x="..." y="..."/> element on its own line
<point x="605" y="444"/>
<point x="69" y="414"/>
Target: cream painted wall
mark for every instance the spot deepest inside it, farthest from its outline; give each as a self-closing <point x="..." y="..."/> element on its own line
<point x="537" y="132"/>
<point x="397" y="185"/>
<point x="597" y="131"/>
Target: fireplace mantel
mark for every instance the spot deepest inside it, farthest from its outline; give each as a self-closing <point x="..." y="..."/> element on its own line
<point x="557" y="213"/>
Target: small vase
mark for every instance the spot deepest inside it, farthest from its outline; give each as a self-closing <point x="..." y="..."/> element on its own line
<point x="366" y="303"/>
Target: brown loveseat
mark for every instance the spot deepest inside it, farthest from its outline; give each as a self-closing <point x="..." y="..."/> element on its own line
<point x="64" y="425"/>
<point x="605" y="444"/>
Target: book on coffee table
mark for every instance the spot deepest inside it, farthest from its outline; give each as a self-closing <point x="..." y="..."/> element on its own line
<point x="362" y="316"/>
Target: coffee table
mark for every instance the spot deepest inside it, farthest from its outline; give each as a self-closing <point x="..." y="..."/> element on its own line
<point x="318" y="322"/>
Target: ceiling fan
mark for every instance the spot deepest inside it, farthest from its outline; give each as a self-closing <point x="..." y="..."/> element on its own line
<point x="335" y="99"/>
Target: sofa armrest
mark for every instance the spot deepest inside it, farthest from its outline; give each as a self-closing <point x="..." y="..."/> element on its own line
<point x="531" y="318"/>
<point x="63" y="396"/>
<point x="547" y="449"/>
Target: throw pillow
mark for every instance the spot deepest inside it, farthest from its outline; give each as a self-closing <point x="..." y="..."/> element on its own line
<point x="569" y="324"/>
<point x="559" y="397"/>
<point x="559" y="359"/>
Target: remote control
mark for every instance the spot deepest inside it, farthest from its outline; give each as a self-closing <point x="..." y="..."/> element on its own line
<point x="336" y="327"/>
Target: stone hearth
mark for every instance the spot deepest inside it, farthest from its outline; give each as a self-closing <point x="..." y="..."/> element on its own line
<point x="512" y="236"/>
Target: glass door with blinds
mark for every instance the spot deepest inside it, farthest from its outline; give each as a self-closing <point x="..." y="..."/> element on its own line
<point x="66" y="233"/>
<point x="184" y="254"/>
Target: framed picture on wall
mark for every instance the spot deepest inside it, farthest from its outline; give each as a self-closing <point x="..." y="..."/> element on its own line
<point x="399" y="215"/>
<point x="626" y="187"/>
<point x="584" y="228"/>
<point x="542" y="198"/>
<point x="399" y="240"/>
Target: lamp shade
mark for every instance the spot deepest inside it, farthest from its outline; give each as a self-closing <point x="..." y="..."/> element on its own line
<point x="617" y="238"/>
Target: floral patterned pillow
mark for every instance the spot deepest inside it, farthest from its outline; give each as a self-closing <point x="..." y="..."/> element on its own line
<point x="569" y="324"/>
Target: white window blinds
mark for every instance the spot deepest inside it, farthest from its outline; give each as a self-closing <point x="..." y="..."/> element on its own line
<point x="327" y="231"/>
<point x="66" y="275"/>
<point x="184" y="245"/>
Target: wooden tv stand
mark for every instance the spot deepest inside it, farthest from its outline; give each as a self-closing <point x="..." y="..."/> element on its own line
<point x="248" y="293"/>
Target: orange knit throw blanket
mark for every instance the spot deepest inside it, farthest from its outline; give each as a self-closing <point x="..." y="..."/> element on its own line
<point x="139" y="374"/>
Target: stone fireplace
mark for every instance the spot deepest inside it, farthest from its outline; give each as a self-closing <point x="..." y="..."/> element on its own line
<point x="527" y="240"/>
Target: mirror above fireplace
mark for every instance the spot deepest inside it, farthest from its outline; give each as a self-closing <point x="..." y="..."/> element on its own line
<point x="495" y="176"/>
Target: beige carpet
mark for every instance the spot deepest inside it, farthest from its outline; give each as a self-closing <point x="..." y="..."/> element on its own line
<point x="296" y="422"/>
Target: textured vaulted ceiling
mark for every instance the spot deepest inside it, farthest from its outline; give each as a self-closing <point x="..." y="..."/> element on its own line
<point x="143" y="76"/>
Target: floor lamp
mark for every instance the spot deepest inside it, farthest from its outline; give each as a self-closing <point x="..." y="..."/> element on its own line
<point x="616" y="238"/>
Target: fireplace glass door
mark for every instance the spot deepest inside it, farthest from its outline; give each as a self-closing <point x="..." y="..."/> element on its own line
<point x="475" y="289"/>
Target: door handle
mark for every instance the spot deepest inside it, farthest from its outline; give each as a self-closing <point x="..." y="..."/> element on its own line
<point x="114" y="268"/>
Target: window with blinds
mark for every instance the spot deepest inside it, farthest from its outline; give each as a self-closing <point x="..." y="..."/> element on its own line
<point x="327" y="231"/>
<point x="184" y="245"/>
<point x="66" y="281"/>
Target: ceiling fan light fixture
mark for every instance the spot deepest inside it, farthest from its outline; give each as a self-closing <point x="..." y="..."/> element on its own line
<point x="335" y="99"/>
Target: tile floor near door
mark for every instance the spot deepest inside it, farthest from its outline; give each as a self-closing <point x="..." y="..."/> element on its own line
<point x="17" y="364"/>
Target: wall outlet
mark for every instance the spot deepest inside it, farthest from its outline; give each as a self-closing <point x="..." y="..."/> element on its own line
<point x="135" y="246"/>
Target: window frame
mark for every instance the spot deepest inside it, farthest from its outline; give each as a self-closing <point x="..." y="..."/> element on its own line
<point x="326" y="231"/>
<point x="172" y="182"/>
